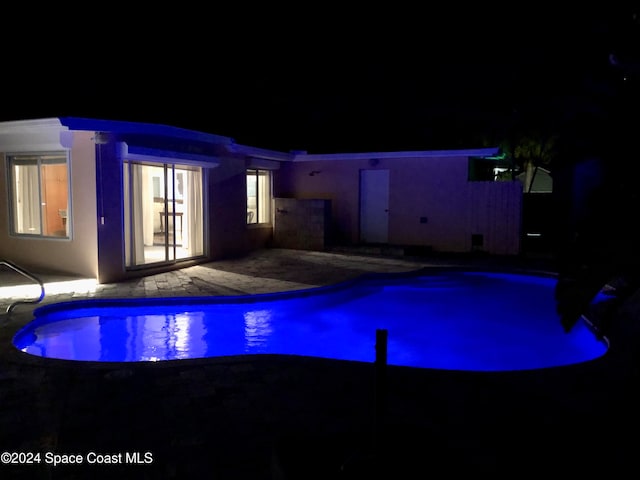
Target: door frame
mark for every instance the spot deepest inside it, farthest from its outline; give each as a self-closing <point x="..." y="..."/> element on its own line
<point x="374" y="206"/>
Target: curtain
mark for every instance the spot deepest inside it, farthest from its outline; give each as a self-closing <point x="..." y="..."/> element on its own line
<point x="27" y="199"/>
<point x="264" y="196"/>
<point x="127" y="216"/>
<point x="133" y="218"/>
<point x="146" y="194"/>
<point x="195" y="236"/>
<point x="137" y="211"/>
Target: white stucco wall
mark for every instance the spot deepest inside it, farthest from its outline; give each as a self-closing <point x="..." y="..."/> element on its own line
<point x="78" y="254"/>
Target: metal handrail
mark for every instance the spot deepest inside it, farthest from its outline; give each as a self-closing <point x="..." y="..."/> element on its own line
<point x="30" y="276"/>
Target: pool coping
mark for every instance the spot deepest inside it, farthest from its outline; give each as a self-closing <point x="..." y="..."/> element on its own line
<point x="10" y="354"/>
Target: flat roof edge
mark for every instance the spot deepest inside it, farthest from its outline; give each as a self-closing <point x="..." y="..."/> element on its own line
<point x="475" y="152"/>
<point x="262" y="153"/>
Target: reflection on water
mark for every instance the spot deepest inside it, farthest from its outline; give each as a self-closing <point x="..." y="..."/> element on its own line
<point x="257" y="330"/>
<point x="156" y="337"/>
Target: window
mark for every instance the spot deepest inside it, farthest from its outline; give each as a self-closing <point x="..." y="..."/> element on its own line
<point x="258" y="196"/>
<point x="39" y="195"/>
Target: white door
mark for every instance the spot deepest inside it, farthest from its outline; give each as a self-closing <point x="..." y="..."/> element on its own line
<point x="374" y="206"/>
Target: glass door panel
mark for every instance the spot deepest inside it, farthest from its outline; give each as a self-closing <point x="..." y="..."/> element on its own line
<point x="163" y="213"/>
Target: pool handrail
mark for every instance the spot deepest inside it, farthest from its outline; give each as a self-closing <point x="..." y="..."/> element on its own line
<point x="28" y="275"/>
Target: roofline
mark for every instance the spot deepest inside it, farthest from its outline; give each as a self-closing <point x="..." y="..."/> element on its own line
<point x="476" y="152"/>
<point x="119" y="126"/>
<point x="261" y="153"/>
<point x="18" y="126"/>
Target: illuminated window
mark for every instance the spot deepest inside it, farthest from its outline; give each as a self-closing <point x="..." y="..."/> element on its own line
<point x="39" y="195"/>
<point x="258" y="196"/>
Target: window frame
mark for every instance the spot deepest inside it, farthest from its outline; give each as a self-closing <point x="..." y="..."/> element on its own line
<point x="170" y="197"/>
<point x="256" y="173"/>
<point x="13" y="159"/>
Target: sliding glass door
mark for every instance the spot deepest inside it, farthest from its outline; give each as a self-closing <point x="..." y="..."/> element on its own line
<point x="163" y="213"/>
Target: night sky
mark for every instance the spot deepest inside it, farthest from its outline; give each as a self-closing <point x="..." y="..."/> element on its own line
<point x="320" y="80"/>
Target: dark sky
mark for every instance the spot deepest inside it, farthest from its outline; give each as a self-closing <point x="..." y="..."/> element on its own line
<point x="314" y="79"/>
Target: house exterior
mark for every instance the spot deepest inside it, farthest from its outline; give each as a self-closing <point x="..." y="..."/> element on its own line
<point x="112" y="200"/>
<point x="422" y="199"/>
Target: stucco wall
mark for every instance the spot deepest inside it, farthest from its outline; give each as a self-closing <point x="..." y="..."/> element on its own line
<point x="431" y="201"/>
<point x="110" y="213"/>
<point x="77" y="255"/>
<point x="334" y="180"/>
<point x="229" y="233"/>
<point x="431" y="188"/>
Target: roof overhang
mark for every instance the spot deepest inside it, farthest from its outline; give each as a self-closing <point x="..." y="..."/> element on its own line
<point x="136" y="128"/>
<point x="143" y="154"/>
<point x="45" y="134"/>
<point x="54" y="133"/>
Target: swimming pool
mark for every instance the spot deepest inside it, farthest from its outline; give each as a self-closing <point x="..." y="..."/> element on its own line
<point x="443" y="319"/>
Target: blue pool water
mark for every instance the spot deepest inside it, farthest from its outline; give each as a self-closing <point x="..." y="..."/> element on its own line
<point x="454" y="320"/>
